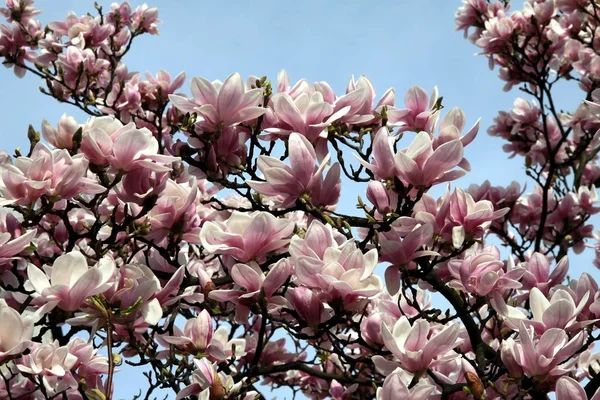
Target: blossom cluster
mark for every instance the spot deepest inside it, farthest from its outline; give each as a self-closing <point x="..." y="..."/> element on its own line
<point x="199" y="235"/>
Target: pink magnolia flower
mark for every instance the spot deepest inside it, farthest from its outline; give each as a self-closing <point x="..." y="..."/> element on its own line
<point x="51" y="173"/>
<point x="482" y="272"/>
<point x="338" y="392"/>
<point x="19" y="10"/>
<point x="307" y="305"/>
<point x="207" y="383"/>
<point x="383" y="165"/>
<point x="175" y="211"/>
<point x="467" y="218"/>
<point x="11" y="245"/>
<point x="421" y="166"/>
<point x="246" y="237"/>
<point x="53" y="363"/>
<point x="62" y="137"/>
<point x="395" y="388"/>
<point x="317" y="239"/>
<point x="251" y="278"/>
<point x="365" y="112"/>
<point x="15" y="331"/>
<point x="560" y="311"/>
<point x="89" y="365"/>
<point x="401" y="252"/>
<point x="569" y="389"/>
<point x="537" y="274"/>
<point x="145" y="19"/>
<point x="302" y="179"/>
<point x="197" y="333"/>
<point x="107" y="142"/>
<point x="221" y="105"/>
<point x="71" y="281"/>
<point x="418" y="345"/>
<point x="541" y="357"/>
<point x="160" y="87"/>
<point x="80" y="65"/>
<point x="307" y="114"/>
<point x="343" y="273"/>
<point x="140" y="184"/>
<point x="385" y="200"/>
<point x="419" y="114"/>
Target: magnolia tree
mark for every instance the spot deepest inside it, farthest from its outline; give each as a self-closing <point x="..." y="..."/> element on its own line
<point x="195" y="236"/>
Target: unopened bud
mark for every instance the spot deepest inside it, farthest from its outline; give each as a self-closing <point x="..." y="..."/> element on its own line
<point x="217" y="390"/>
<point x="33" y="135"/>
<point x="475" y="385"/>
<point x="209" y="287"/>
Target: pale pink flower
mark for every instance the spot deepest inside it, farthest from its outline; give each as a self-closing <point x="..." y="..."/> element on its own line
<point x="307" y="304"/>
<point x="206" y="380"/>
<point x="543" y="356"/>
<point x="175" y="211"/>
<point x="402" y="251"/>
<point x="196" y="336"/>
<point x="467" y="219"/>
<point x="53" y="363"/>
<point x="395" y="388"/>
<point x="419" y="114"/>
<point x="145" y="19"/>
<point x="15" y="331"/>
<point x="62" y="136"/>
<point x="308" y="115"/>
<point x="338" y="392"/>
<point x="108" y="142"/>
<point x="71" y="281"/>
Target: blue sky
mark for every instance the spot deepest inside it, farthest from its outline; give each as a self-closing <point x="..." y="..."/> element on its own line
<point x="395" y="43"/>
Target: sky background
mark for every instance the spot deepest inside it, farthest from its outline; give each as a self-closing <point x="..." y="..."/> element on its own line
<point x="397" y="43"/>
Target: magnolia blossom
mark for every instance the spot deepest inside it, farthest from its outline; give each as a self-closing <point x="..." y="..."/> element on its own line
<point x="62" y="137"/>
<point x="569" y="389"/>
<point x="302" y="179"/>
<point x="208" y="383"/>
<point x="51" y="173"/>
<point x="53" y="363"/>
<point x="560" y="311"/>
<point x="71" y="281"/>
<point x="538" y="275"/>
<point x="543" y="356"/>
<point x="418" y="345"/>
<point x="342" y="271"/>
<point x="15" y="331"/>
<point x="232" y="237"/>
<point x="395" y="388"/>
<point x="420" y="112"/>
<point x="221" y="105"/>
<point x="252" y="279"/>
<point x="482" y="272"/>
<point x="106" y="141"/>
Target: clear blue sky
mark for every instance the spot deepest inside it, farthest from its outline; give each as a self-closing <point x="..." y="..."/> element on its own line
<point x="395" y="43"/>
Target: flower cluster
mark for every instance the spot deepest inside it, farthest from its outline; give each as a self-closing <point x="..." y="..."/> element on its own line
<point x="199" y="236"/>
